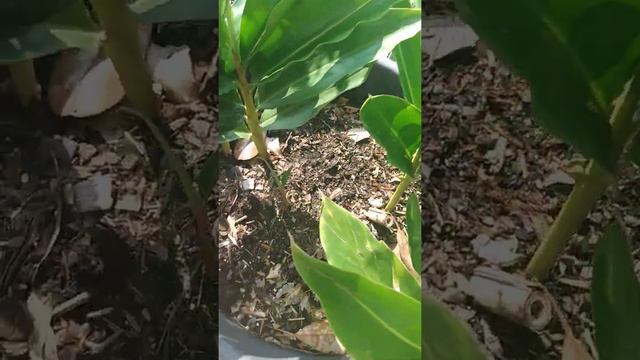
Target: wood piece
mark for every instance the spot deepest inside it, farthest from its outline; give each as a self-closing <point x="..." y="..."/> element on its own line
<point x="510" y="296"/>
<point x="94" y="194"/>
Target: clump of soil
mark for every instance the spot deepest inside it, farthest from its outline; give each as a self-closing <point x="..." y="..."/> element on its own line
<point x="260" y="287"/>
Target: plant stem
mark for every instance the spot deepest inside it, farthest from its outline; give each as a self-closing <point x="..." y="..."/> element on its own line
<point x="588" y="190"/>
<point x="252" y="120"/>
<point x="24" y="79"/>
<point x="226" y="148"/>
<point x="123" y="48"/>
<point x="582" y="199"/>
<point x="404" y="183"/>
<point x="208" y="252"/>
<point x="282" y="195"/>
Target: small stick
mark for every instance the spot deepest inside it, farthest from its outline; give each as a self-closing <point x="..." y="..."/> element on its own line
<point x="56" y="230"/>
<point x="72" y="303"/>
<point x="99" y="313"/>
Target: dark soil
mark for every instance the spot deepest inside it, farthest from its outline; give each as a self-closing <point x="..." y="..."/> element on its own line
<point x="141" y="269"/>
<point x="260" y="286"/>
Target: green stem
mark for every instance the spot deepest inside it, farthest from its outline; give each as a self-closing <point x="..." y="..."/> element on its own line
<point x="575" y="210"/>
<point x="588" y="190"/>
<point x="23" y="75"/>
<point x="226" y="148"/>
<point x="404" y="183"/>
<point x="123" y="48"/>
<point x="196" y="203"/>
<point x="252" y="120"/>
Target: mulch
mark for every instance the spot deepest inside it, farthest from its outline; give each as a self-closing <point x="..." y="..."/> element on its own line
<point x="128" y="278"/>
<point x="491" y="173"/>
<point x="260" y="287"/>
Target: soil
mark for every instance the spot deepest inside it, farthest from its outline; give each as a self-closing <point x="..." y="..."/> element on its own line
<point x="260" y="287"/>
<point x="129" y="272"/>
<point x="492" y="172"/>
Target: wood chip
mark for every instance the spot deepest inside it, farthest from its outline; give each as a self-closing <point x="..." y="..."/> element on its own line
<point x="320" y="337"/>
<point x="129" y="202"/>
<point x="93" y="194"/>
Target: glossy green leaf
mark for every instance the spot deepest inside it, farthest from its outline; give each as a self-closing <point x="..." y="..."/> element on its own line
<point x="633" y="152"/>
<point x="208" y="175"/>
<point x="294" y="28"/>
<point x="331" y="62"/>
<point x="18" y="16"/>
<point x="444" y="337"/>
<point x="70" y="27"/>
<point x="231" y="117"/>
<point x="350" y="246"/>
<point x="232" y="125"/>
<point x="576" y="54"/>
<point x="414" y="231"/>
<point x="254" y="19"/>
<point x="160" y="11"/>
<point x="292" y="116"/>
<point x="372" y="321"/>
<point x="237" y="12"/>
<point x="408" y="56"/>
<point x="615" y="296"/>
<point x="227" y="43"/>
<point x="231" y="20"/>
<point x="226" y="83"/>
<point x="396" y="125"/>
<point x="145" y="6"/>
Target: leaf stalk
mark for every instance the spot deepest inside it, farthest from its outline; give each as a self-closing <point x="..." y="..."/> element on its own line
<point x="123" y="48"/>
<point x="588" y="190"/>
<point x="24" y="79"/>
<point x="404" y="183"/>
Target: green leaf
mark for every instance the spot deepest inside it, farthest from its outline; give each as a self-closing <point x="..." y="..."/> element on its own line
<point x="254" y="19"/>
<point x="372" y="321"/>
<point x="292" y="116"/>
<point x="227" y="83"/>
<point x="615" y="296"/>
<point x="228" y="37"/>
<point x="284" y="177"/>
<point x="70" y="27"/>
<point x="444" y="337"/>
<point x="414" y="231"/>
<point x="396" y="125"/>
<point x="633" y="152"/>
<point x="144" y="6"/>
<point x="294" y="28"/>
<point x="232" y="124"/>
<point x="331" y="62"/>
<point x="159" y="11"/>
<point x="350" y="246"/>
<point x="17" y="17"/>
<point x="408" y="56"/>
<point x="590" y="50"/>
<point x="231" y="117"/>
<point x="208" y="175"/>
